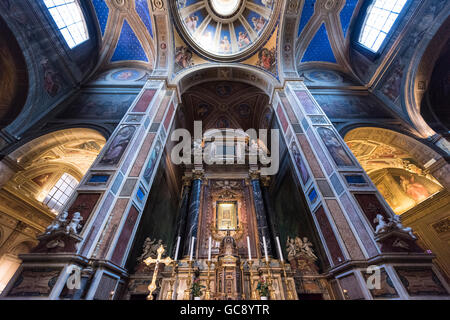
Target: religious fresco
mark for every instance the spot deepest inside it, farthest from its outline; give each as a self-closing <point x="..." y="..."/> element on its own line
<point x="399" y="177"/>
<point x="225" y="27"/>
<point x="98" y="106"/>
<point x="118" y="146"/>
<point x="351" y="106"/>
<point x="52" y="79"/>
<point x="127" y="75"/>
<point x="266" y="57"/>
<point x="42" y="179"/>
<point x="334" y="147"/>
<point x="184" y="57"/>
<point x="402" y="189"/>
<point x="300" y="163"/>
<point x="150" y="168"/>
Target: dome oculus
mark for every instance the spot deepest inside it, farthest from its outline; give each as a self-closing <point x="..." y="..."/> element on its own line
<point x="226" y="30"/>
<point x="225" y="7"/>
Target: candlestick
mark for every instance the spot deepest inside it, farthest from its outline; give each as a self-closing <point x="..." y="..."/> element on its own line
<point x="209" y="251"/>
<point x="279" y="249"/>
<point x="192" y="249"/>
<point x="265" y="249"/>
<point x="249" y="250"/>
<point x="176" y="250"/>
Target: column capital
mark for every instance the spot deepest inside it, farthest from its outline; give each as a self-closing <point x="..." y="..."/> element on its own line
<point x="254" y="174"/>
<point x="198" y="174"/>
<point x="265" y="180"/>
<point x="186" y="181"/>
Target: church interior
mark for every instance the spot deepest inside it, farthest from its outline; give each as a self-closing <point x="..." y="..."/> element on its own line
<point x="315" y="162"/>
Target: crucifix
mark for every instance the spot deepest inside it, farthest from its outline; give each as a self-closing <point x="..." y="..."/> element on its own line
<point x="156" y="261"/>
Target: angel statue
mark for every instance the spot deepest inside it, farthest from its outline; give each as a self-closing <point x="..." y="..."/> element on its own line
<point x="291" y="248"/>
<point x="396" y="222"/>
<point x="155" y="247"/>
<point x="146" y="249"/>
<point x="58" y="223"/>
<point x="307" y="249"/>
<point x="298" y="245"/>
<point x="75" y="223"/>
<point x="382" y="226"/>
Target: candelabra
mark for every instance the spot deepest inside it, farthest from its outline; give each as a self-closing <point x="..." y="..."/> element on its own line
<point x="172" y="281"/>
<point x="270" y="281"/>
<point x="253" y="295"/>
<point x="242" y="280"/>
<point x="290" y="294"/>
<point x="187" y="291"/>
<point x="208" y="283"/>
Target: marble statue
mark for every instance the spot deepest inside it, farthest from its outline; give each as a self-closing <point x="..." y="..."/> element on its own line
<point x="291" y="248"/>
<point x="307" y="249"/>
<point x="300" y="248"/>
<point x="75" y="223"/>
<point x="150" y="249"/>
<point x="146" y="249"/>
<point x="396" y="222"/>
<point x="382" y="226"/>
<point x="57" y="224"/>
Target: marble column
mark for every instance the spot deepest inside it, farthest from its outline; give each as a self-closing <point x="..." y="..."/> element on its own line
<point x="345" y="204"/>
<point x="182" y="217"/>
<point x="193" y="213"/>
<point x="261" y="216"/>
<point x="273" y="227"/>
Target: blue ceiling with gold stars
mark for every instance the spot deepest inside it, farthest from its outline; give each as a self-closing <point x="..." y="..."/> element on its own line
<point x="129" y="46"/>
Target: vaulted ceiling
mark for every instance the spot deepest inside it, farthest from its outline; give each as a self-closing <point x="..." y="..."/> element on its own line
<point x="128" y="28"/>
<point x="224" y="104"/>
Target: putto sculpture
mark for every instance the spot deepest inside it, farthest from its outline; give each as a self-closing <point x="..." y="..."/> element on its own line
<point x="298" y="248"/>
<point x="74" y="224"/>
<point x="62" y="223"/>
<point x="150" y="248"/>
<point x="57" y="224"/>
<point x="393" y="224"/>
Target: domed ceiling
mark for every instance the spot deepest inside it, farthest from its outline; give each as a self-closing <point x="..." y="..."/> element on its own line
<point x="226" y="30"/>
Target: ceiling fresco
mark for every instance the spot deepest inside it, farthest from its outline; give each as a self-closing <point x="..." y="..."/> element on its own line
<point x="223" y="104"/>
<point x="225" y="28"/>
<point x="398" y="174"/>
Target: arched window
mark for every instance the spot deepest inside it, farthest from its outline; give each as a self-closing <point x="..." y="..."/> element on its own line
<point x="60" y="192"/>
<point x="69" y="18"/>
<point x="381" y="16"/>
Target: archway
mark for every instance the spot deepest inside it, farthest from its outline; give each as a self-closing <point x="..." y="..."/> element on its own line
<point x="37" y="182"/>
<point x="412" y="179"/>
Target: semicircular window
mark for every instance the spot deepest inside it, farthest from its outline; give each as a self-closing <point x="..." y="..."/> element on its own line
<point x="69" y="19"/>
<point x="226" y="29"/>
<point x="380" y="18"/>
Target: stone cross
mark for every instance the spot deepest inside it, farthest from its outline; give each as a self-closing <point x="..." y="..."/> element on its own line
<point x="156" y="261"/>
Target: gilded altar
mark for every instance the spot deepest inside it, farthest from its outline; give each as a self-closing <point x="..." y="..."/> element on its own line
<point x="227" y="276"/>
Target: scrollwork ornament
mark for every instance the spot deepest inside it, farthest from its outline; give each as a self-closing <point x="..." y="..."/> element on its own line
<point x="158" y="4"/>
